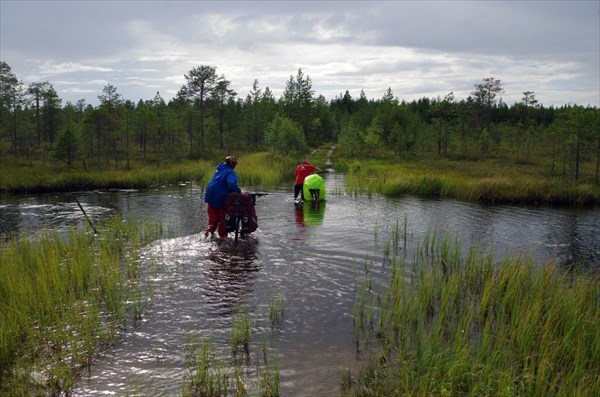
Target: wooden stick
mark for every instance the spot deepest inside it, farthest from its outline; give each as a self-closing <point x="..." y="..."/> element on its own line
<point x="86" y="216"/>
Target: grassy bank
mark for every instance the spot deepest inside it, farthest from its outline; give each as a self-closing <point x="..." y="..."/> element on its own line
<point x="42" y="177"/>
<point x="452" y="325"/>
<point x="39" y="177"/>
<point x="264" y="169"/>
<point x="63" y="299"/>
<point x="491" y="181"/>
<point x="486" y="180"/>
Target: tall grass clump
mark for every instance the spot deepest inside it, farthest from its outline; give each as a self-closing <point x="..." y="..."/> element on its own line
<point x="206" y="374"/>
<point x="269" y="380"/>
<point x="209" y="374"/>
<point x="62" y="299"/>
<point x="276" y="308"/>
<point x="464" y="324"/>
<point x="241" y="330"/>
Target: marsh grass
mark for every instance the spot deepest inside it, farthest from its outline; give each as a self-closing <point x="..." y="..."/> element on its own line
<point x="489" y="181"/>
<point x="318" y="156"/>
<point x="450" y="323"/>
<point x="277" y="308"/>
<point x="63" y="299"/>
<point x="253" y="169"/>
<point x="209" y="373"/>
<point x="269" y="380"/>
<point x="206" y="373"/>
<point x="253" y="369"/>
<point x="38" y="177"/>
<point x="241" y="330"/>
<point x="264" y="169"/>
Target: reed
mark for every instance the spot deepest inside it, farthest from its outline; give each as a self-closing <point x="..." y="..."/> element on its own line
<point x="463" y="324"/>
<point x="206" y="374"/>
<point x="276" y="308"/>
<point x="211" y="374"/>
<point x="62" y="299"/>
<point x="241" y="330"/>
<point x="269" y="380"/>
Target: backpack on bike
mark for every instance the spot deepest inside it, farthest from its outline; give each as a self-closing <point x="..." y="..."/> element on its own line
<point x="315" y="183"/>
<point x="240" y="205"/>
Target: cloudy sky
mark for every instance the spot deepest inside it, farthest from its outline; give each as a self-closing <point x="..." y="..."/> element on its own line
<point x="416" y="48"/>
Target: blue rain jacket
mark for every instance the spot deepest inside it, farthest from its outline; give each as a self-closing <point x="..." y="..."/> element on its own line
<point x="223" y="182"/>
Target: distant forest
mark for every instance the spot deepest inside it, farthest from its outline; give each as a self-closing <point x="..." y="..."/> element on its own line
<point x="207" y="117"/>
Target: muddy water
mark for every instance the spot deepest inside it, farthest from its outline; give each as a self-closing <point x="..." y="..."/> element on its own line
<point x="314" y="257"/>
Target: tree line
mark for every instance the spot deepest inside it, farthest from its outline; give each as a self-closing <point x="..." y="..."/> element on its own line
<point x="207" y="116"/>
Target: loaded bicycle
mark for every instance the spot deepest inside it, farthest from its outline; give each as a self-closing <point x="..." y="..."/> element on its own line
<point x="240" y="214"/>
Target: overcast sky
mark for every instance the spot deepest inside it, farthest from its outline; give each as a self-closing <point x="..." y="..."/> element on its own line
<point x="416" y="48"/>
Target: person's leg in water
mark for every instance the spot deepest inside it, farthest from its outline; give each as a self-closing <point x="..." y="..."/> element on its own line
<point x="221" y="225"/>
<point x="315" y="194"/>
<point x="298" y="191"/>
<point x="216" y="222"/>
<point x="213" y="221"/>
<point x="301" y="188"/>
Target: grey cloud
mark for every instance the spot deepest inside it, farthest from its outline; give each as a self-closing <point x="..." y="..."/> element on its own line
<point x="341" y="45"/>
<point x="523" y="27"/>
<point x="52" y="29"/>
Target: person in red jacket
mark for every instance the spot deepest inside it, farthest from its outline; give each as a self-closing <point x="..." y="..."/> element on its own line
<point x="302" y="171"/>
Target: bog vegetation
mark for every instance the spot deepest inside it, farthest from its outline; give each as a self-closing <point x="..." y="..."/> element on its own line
<point x="454" y="324"/>
<point x="64" y="299"/>
<point x="92" y="145"/>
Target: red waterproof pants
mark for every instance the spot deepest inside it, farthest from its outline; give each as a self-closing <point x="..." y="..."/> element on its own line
<point x="216" y="221"/>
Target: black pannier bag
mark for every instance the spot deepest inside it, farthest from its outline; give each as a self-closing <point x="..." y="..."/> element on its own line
<point x="240" y="205"/>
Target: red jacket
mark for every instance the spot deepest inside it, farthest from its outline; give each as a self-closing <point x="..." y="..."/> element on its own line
<point x="302" y="171"/>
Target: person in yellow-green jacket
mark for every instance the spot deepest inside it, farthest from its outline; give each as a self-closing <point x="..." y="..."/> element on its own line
<point x="314" y="188"/>
<point x="302" y="171"/>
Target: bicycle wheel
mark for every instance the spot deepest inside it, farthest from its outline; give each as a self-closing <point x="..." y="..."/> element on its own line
<point x="237" y="227"/>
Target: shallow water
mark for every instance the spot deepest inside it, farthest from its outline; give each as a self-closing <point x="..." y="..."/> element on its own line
<point x="314" y="257"/>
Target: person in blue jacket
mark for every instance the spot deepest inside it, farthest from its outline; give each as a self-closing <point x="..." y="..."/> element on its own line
<point x="223" y="182"/>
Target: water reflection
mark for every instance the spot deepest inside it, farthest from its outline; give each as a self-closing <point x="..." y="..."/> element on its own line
<point x="198" y="284"/>
<point x="573" y="237"/>
<point x="230" y="273"/>
<point x="56" y="211"/>
<point x="309" y="213"/>
<point x="178" y="207"/>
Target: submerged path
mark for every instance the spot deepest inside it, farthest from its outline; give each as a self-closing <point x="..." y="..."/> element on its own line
<point x="328" y="161"/>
